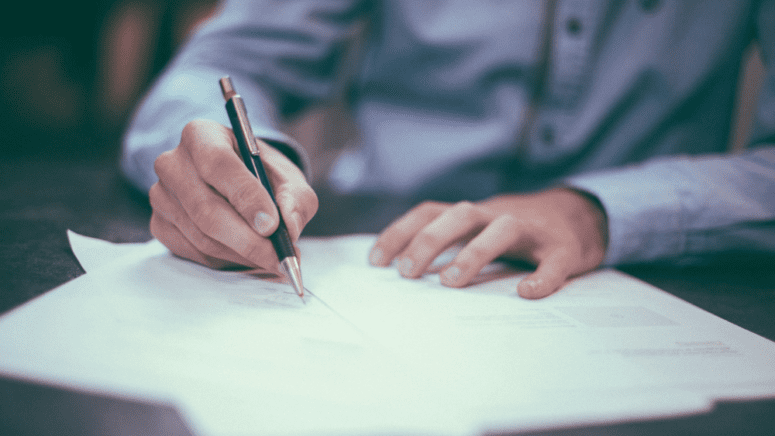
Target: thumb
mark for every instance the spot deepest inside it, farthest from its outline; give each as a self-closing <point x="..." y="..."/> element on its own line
<point x="297" y="205"/>
<point x="551" y="273"/>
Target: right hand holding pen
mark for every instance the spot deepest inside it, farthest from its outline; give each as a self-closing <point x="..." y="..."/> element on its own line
<point x="207" y="206"/>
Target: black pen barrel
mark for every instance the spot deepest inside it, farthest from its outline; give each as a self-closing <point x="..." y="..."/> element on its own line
<point x="280" y="238"/>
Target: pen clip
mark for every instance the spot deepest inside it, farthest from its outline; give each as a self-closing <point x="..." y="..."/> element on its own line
<point x="241" y="112"/>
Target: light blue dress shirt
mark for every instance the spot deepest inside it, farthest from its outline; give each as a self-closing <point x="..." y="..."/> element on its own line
<point x="630" y="101"/>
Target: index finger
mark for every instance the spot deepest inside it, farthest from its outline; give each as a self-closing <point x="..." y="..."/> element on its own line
<point x="212" y="150"/>
<point x="399" y="234"/>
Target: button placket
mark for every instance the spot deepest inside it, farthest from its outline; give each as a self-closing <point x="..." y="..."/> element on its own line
<point x="576" y="22"/>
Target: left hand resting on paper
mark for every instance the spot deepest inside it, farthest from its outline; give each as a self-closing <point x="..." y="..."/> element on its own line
<point x="561" y="231"/>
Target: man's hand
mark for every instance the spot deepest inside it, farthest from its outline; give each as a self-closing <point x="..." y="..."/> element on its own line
<point x="561" y="231"/>
<point x="209" y="208"/>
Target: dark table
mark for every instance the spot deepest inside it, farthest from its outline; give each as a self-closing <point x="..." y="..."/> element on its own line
<point x="40" y="200"/>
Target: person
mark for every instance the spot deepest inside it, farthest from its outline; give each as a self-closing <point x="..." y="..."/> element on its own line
<point x="568" y="134"/>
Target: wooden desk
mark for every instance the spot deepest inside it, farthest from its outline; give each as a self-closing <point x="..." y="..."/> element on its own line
<point x="40" y="201"/>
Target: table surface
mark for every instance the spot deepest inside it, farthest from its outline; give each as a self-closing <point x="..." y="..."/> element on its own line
<point x="41" y="200"/>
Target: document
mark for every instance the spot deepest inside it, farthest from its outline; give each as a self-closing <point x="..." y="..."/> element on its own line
<point x="369" y="352"/>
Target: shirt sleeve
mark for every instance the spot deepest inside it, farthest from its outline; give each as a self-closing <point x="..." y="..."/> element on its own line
<point x="686" y="208"/>
<point x="281" y="57"/>
<point x="682" y="209"/>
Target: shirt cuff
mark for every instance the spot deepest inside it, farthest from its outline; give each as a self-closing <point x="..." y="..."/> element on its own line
<point x="291" y="149"/>
<point x="643" y="213"/>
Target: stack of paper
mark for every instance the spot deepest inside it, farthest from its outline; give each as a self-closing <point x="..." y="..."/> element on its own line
<point x="371" y="352"/>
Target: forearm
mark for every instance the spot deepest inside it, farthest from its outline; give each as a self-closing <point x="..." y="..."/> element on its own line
<point x="681" y="207"/>
<point x="280" y="58"/>
<point x="180" y="96"/>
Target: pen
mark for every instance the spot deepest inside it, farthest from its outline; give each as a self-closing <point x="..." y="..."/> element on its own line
<point x="238" y="115"/>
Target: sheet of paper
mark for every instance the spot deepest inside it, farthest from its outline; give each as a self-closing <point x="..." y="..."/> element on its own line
<point x="603" y="335"/>
<point x="93" y="253"/>
<point x="371" y="352"/>
<point x="235" y="354"/>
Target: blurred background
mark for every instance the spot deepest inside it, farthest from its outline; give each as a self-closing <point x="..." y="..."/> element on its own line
<point x="70" y="75"/>
<point x="71" y="72"/>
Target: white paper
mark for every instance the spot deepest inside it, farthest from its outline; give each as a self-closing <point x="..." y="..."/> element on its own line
<point x="93" y="253"/>
<point x="371" y="352"/>
<point x="602" y="335"/>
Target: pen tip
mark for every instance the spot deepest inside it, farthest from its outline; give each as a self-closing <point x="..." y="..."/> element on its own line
<point x="291" y="269"/>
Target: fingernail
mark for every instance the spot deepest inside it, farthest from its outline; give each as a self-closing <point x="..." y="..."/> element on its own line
<point x="376" y="256"/>
<point x="263" y="222"/>
<point x="451" y="275"/>
<point x="528" y="285"/>
<point x="405" y="267"/>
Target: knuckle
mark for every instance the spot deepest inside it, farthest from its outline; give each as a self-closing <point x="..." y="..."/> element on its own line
<point x="430" y="207"/>
<point x="155" y="196"/>
<point x="508" y="221"/>
<point x="245" y="195"/>
<point x="204" y="216"/>
<point x="473" y="254"/>
<point x="465" y="262"/>
<point x="392" y="237"/>
<point x="426" y="239"/>
<point x="191" y="130"/>
<point x="509" y="226"/>
<point x="163" y="164"/>
<point x="309" y="201"/>
<point x="209" y="162"/>
<point x="161" y="203"/>
<point x="287" y="198"/>
<point x="465" y="210"/>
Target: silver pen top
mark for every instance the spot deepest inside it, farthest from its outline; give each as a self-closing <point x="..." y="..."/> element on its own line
<point x="227" y="88"/>
<point x="230" y="95"/>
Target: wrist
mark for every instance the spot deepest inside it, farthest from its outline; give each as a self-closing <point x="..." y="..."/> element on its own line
<point x="591" y="214"/>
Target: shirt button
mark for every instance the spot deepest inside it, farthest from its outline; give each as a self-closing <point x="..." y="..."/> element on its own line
<point x="650" y="5"/>
<point x="573" y="26"/>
